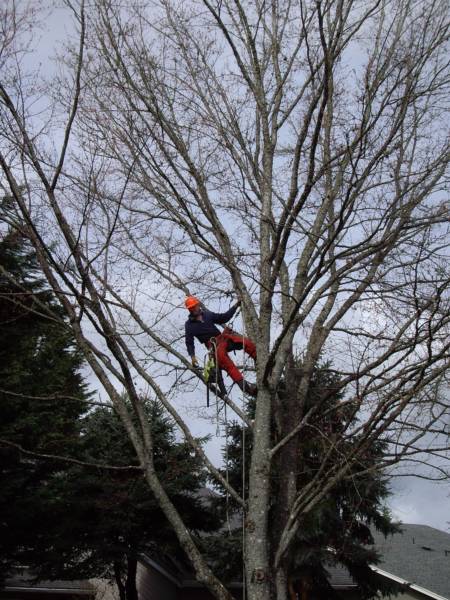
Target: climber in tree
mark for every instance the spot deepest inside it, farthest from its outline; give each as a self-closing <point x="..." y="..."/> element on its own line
<point x="202" y="325"/>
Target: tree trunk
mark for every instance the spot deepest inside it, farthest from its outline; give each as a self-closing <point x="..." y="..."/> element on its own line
<point x="119" y="582"/>
<point x="130" y="584"/>
<point x="281" y="583"/>
<point x="286" y="468"/>
<point x="292" y="593"/>
<point x="202" y="571"/>
<point x="304" y="589"/>
<point x="258" y="567"/>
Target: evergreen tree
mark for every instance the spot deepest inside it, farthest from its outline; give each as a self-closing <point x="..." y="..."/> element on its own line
<point x="64" y="520"/>
<point x="42" y="395"/>
<point x="337" y="531"/>
<point x="113" y="518"/>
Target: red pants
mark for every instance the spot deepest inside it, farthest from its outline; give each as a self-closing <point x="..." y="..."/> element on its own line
<point x="225" y="342"/>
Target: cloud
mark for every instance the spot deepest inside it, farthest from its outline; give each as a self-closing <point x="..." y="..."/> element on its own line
<point x="421" y="501"/>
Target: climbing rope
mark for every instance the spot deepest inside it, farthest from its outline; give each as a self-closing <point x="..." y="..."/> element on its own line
<point x="243" y="461"/>
<point x="244" y="582"/>
<point x="211" y="364"/>
<point x="216" y="366"/>
<point x="227" y="494"/>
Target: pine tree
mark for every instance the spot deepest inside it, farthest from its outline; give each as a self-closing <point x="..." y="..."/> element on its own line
<point x="63" y="520"/>
<point x="113" y="518"/>
<point x="42" y="395"/>
<point x="338" y="530"/>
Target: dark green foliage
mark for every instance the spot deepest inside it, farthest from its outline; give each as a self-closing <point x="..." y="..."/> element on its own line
<point x="70" y="521"/>
<point x="337" y="530"/>
<point x="108" y="517"/>
<point x="42" y="395"/>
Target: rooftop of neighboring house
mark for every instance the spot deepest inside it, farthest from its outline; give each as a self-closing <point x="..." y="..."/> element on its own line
<point x="22" y="582"/>
<point x="419" y="555"/>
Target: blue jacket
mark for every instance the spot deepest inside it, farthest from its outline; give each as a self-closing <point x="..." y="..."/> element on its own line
<point x="204" y="330"/>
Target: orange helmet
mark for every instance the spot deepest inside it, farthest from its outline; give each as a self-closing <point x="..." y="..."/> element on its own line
<point x="191" y="302"/>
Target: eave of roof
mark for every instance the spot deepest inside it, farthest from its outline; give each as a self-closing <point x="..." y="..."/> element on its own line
<point x="38" y="590"/>
<point x="412" y="586"/>
<point x="149" y="561"/>
<point x="418" y="554"/>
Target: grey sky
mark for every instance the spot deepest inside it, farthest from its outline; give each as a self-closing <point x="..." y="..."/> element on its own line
<point x="420" y="501"/>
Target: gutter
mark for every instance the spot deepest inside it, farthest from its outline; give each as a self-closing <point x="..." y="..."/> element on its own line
<point x="39" y="590"/>
<point x="160" y="569"/>
<point x="185" y="583"/>
<point x="412" y="586"/>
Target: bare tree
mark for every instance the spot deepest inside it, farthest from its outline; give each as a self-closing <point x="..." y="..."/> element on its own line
<point x="294" y="152"/>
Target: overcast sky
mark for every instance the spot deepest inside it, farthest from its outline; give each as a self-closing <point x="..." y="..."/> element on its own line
<point x="413" y="500"/>
<point x="420" y="501"/>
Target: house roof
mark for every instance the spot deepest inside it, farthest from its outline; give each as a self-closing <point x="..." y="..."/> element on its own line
<point x="23" y="581"/>
<point x="340" y="578"/>
<point x="419" y="555"/>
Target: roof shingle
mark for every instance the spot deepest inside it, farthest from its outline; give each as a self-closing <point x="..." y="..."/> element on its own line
<point x="420" y="555"/>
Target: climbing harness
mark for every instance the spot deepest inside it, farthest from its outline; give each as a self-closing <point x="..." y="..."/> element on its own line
<point x="207" y="372"/>
<point x="209" y="366"/>
<point x="212" y="373"/>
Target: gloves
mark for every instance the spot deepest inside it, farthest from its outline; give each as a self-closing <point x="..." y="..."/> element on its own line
<point x="194" y="362"/>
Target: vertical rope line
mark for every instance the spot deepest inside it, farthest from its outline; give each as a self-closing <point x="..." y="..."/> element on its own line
<point x="205" y="362"/>
<point x="244" y="582"/>
<point x="227" y="496"/>
<point x="216" y="366"/>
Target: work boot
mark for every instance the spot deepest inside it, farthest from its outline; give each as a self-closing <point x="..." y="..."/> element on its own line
<point x="247" y="387"/>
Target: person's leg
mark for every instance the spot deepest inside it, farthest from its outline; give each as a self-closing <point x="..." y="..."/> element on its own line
<point x="243" y="342"/>
<point x="224" y="361"/>
<point x="250" y="348"/>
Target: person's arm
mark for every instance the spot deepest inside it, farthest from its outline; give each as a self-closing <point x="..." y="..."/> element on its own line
<point x="221" y="318"/>
<point x="189" y="341"/>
